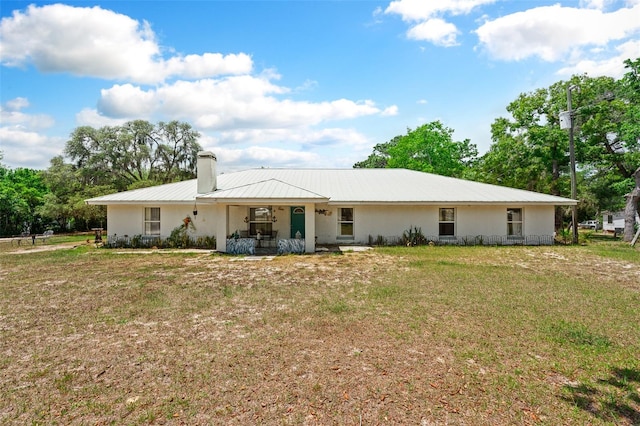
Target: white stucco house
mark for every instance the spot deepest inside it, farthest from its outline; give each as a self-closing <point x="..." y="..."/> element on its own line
<point x="309" y="207"/>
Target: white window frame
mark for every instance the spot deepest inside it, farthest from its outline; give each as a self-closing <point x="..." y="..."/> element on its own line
<point x="445" y="221"/>
<point x="342" y="222"/>
<point x="149" y="221"/>
<point x="512" y="224"/>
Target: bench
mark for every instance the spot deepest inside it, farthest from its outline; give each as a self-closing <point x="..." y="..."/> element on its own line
<point x="43" y="237"/>
<point x="34" y="237"/>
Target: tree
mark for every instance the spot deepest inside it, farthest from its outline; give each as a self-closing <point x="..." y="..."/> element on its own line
<point x="608" y="131"/>
<point x="176" y="152"/>
<point x="632" y="208"/>
<point x="512" y="161"/>
<point x="629" y="132"/>
<point x="428" y="148"/>
<point x="122" y="156"/>
<point x="530" y="151"/>
<point x="65" y="204"/>
<point x="379" y="158"/>
<point x="22" y="191"/>
<point x="116" y="158"/>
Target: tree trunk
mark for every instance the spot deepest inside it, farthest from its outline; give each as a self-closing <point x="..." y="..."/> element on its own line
<point x="630" y="211"/>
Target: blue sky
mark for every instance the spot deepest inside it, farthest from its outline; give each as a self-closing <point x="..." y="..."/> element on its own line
<point x="291" y="83"/>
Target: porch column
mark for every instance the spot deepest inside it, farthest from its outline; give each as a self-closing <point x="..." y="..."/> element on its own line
<point x="309" y="228"/>
<point x="221" y="218"/>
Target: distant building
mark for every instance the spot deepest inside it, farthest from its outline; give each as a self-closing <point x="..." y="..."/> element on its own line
<point x="614" y="222"/>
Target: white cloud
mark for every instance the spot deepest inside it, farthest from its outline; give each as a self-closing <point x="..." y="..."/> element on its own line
<point x="390" y="111"/>
<point x="126" y="101"/>
<point x="552" y="32"/>
<point x="20" y="140"/>
<point x="101" y="43"/>
<point x="17" y="104"/>
<point x="11" y="114"/>
<point x="436" y="31"/>
<point x="27" y="148"/>
<point x="258" y="156"/>
<point x="307" y="86"/>
<point x="612" y="66"/>
<point x="377" y="13"/>
<point x="307" y="148"/>
<point x="91" y="117"/>
<point x="303" y="137"/>
<point x="421" y="10"/>
<point x="427" y="16"/>
<point x="591" y="38"/>
<point x="237" y="102"/>
<point x="596" y="4"/>
<point x="209" y="64"/>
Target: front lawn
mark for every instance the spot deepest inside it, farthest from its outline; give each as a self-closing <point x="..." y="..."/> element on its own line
<point x="426" y="335"/>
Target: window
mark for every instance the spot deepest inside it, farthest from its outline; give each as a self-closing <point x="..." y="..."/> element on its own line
<point x="514" y="222"/>
<point x="447" y="222"/>
<point x="609" y="218"/>
<point x="260" y="220"/>
<point x="345" y="222"/>
<point x="152" y="221"/>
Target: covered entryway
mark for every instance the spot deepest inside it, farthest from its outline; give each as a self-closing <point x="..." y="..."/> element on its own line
<point x="277" y="209"/>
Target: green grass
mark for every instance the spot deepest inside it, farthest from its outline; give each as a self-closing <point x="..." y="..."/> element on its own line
<point x="473" y="335"/>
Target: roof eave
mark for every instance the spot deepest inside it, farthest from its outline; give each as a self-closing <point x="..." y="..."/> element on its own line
<point x="136" y="202"/>
<point x="455" y="203"/>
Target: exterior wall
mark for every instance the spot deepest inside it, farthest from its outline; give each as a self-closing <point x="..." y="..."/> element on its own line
<point x="129" y="219"/>
<point x="539" y="220"/>
<point x="392" y="221"/>
<point x="388" y="221"/>
<point x="236" y="219"/>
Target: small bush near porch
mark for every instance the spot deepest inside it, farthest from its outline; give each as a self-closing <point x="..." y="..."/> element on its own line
<point x="420" y="335"/>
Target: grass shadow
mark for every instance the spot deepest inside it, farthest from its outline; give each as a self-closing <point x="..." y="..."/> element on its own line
<point x="614" y="399"/>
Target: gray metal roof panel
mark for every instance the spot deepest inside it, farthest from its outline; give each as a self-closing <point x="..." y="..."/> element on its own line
<point x="266" y="189"/>
<point x="171" y="192"/>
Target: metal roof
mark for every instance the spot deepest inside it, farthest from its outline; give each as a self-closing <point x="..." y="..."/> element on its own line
<point x="336" y="186"/>
<point x="177" y="192"/>
<point x="268" y="191"/>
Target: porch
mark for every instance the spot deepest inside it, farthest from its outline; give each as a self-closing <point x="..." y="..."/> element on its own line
<point x="267" y="229"/>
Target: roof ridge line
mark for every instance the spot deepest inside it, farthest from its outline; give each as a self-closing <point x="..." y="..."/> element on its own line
<point x="299" y="187"/>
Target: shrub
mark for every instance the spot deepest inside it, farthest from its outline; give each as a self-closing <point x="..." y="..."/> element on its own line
<point x="413" y="237"/>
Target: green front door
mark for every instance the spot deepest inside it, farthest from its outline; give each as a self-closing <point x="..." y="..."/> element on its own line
<point x="297" y="221"/>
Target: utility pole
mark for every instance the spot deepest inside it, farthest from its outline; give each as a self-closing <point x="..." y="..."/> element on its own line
<point x="572" y="161"/>
<point x="566" y="122"/>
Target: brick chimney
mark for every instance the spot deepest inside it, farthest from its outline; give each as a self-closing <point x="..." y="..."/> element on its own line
<point x="206" y="172"/>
